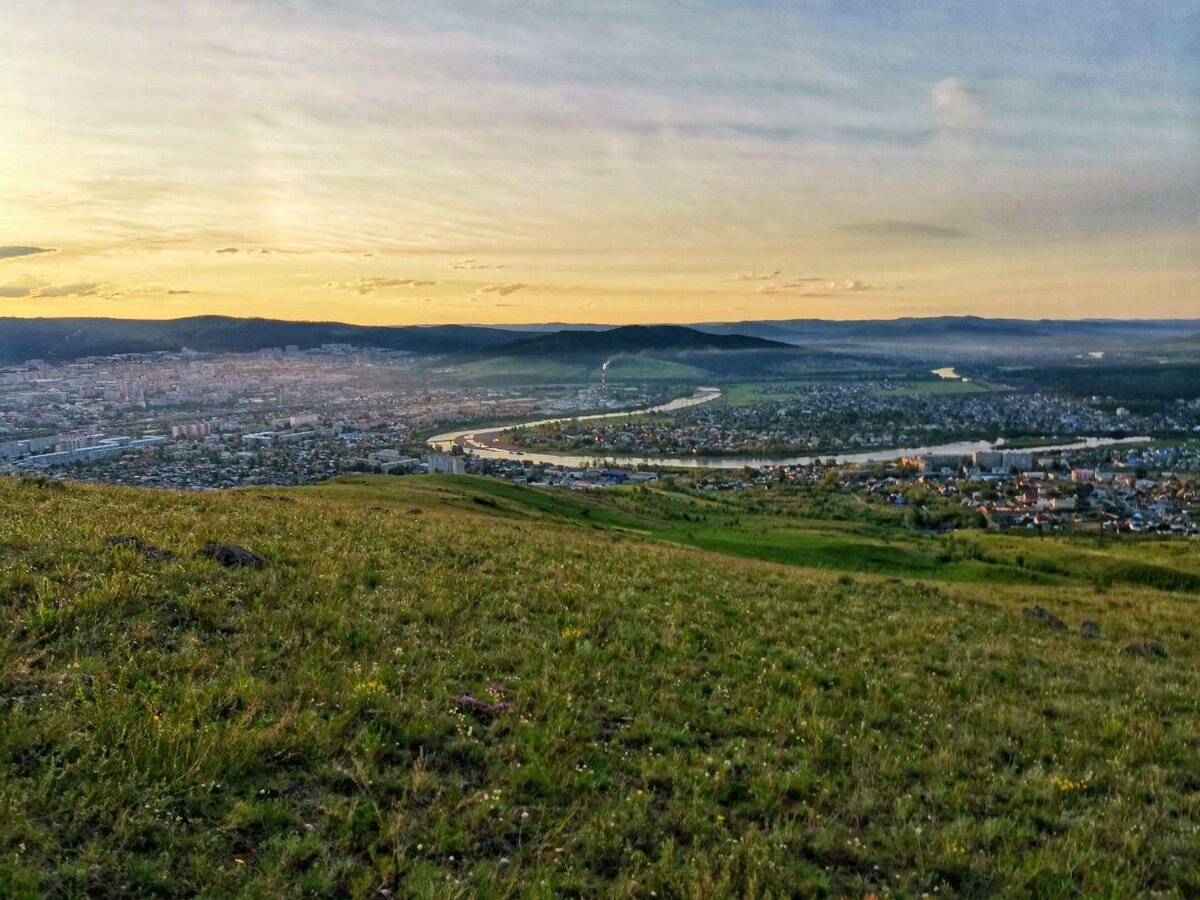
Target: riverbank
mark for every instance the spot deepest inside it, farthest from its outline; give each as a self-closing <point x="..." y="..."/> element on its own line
<point x="487" y="443"/>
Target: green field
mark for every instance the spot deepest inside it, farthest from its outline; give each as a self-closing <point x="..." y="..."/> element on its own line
<point x="541" y="370"/>
<point x="677" y="694"/>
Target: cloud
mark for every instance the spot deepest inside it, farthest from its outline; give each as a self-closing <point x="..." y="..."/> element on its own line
<point x="502" y="289"/>
<point x="472" y="264"/>
<point x="897" y="228"/>
<point x="851" y="284"/>
<point x="956" y="109"/>
<point x="817" y="287"/>
<point x="370" y="285"/>
<point x="791" y="286"/>
<point x="14" y="251"/>
<point x="33" y="290"/>
<point x="756" y="276"/>
<point x="78" y="289"/>
<point x="278" y="251"/>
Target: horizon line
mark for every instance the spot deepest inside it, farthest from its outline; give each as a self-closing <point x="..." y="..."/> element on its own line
<point x="594" y="324"/>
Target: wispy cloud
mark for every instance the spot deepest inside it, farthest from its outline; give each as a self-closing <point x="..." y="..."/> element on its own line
<point x="956" y="110"/>
<point x="656" y="176"/>
<point x="14" y="251"/>
<point x="818" y="287"/>
<point x="370" y="285"/>
<point x="278" y="251"/>
<point x="502" y="290"/>
<point x="471" y="265"/>
<point x="47" y="291"/>
<point x="756" y="276"/>
<point x="902" y="229"/>
<point x="790" y="285"/>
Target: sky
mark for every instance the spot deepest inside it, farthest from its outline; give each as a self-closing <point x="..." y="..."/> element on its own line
<point x="526" y="161"/>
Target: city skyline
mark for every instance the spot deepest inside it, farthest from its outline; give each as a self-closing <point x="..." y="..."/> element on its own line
<point x="486" y="163"/>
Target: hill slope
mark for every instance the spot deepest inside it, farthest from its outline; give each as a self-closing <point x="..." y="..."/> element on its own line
<point x="641" y="717"/>
<point x="962" y="338"/>
<point x="67" y="339"/>
<point x="635" y="339"/>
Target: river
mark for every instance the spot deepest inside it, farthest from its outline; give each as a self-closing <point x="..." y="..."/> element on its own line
<point x="485" y="442"/>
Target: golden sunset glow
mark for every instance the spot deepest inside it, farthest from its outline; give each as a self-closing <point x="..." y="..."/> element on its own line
<point x="487" y="162"/>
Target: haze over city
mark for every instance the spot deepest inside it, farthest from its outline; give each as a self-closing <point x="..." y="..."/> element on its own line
<point x="620" y="162"/>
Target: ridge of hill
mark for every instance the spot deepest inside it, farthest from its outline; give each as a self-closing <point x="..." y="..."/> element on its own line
<point x="71" y="338"/>
<point x="449" y="686"/>
<point x="965" y="337"/>
<point x="635" y="339"/>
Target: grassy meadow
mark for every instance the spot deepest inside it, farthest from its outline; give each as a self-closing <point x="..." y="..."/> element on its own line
<point x="443" y="687"/>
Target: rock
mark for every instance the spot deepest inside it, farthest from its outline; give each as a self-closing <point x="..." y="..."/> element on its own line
<point x="137" y="545"/>
<point x="1147" y="648"/>
<point x="1038" y="614"/>
<point x="231" y="555"/>
<point x="1090" y="628"/>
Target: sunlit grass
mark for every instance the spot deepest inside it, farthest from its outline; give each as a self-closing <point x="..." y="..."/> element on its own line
<point x="678" y="722"/>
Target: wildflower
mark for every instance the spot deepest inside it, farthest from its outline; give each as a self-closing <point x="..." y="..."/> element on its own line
<point x="239" y="861"/>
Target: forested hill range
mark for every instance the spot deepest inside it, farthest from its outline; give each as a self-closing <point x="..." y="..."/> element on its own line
<point x="961" y="338"/>
<point x="636" y="339"/>
<point x="61" y="340"/>
<point x="947" y="338"/>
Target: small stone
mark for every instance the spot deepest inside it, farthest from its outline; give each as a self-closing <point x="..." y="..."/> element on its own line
<point x="1090" y="628"/>
<point x="232" y="556"/>
<point x="1147" y="648"/>
<point x="1038" y="614"/>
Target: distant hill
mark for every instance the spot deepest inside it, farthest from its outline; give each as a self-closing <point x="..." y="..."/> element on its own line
<point x="635" y="339"/>
<point x="946" y="339"/>
<point x="953" y="338"/>
<point x="67" y="339"/>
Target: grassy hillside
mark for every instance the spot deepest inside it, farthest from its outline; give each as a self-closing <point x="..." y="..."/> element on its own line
<point x="66" y="339"/>
<point x="644" y="718"/>
<point x="545" y="370"/>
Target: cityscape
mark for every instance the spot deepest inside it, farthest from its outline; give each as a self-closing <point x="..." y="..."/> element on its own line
<point x="599" y="450"/>
<point x="287" y="416"/>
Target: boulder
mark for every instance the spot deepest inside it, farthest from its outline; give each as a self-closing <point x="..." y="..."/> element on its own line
<point x="1147" y="648"/>
<point x="1039" y="614"/>
<point x="232" y="556"/>
<point x="1090" y="628"/>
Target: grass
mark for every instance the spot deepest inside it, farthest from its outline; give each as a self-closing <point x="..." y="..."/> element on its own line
<point x="820" y="528"/>
<point x="539" y="370"/>
<point x="680" y="723"/>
